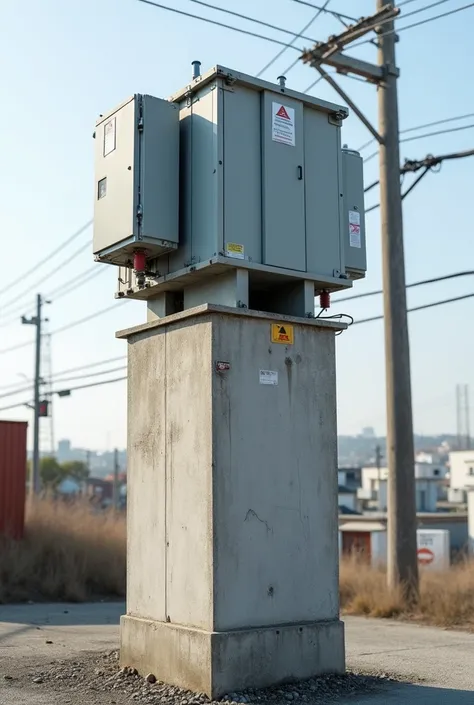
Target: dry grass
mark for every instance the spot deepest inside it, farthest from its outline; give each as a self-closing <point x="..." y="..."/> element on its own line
<point x="68" y="553"/>
<point x="446" y="599"/>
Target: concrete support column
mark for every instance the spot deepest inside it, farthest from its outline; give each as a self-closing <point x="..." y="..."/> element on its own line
<point x="232" y="500"/>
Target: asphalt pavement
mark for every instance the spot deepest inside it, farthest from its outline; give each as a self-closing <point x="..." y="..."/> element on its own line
<point x="435" y="665"/>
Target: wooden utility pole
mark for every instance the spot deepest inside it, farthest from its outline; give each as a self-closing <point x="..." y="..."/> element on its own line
<point x="402" y="556"/>
<point x="36" y="321"/>
<point x="402" y="563"/>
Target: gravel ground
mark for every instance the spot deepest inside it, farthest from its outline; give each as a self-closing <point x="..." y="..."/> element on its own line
<point x="98" y="679"/>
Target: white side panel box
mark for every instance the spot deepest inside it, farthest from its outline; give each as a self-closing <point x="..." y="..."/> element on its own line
<point x="136" y="180"/>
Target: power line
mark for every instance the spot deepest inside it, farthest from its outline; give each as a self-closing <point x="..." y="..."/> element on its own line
<point x="335" y="13"/>
<point x="89" y="365"/>
<point x="79" y="322"/>
<point x="49" y="256"/>
<point x="16" y="347"/>
<point x="300" y="34"/>
<point x="20" y="390"/>
<point x="427" y="134"/>
<point x="38" y="283"/>
<point x="417" y="24"/>
<point x="421" y="127"/>
<point x="75" y="282"/>
<point x="87" y="386"/>
<point x="419" y="308"/>
<point x="251" y="19"/>
<point x="219" y="24"/>
<point x="92" y="374"/>
<point x="433" y="280"/>
<point x="69" y="389"/>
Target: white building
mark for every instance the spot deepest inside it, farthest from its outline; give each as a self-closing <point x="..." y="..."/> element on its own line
<point x="461" y="470"/>
<point x="428" y="479"/>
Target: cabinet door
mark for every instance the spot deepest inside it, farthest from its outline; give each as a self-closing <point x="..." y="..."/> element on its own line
<point x="284" y="239"/>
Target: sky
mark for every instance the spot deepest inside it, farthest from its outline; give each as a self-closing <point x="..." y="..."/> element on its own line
<point x="66" y="61"/>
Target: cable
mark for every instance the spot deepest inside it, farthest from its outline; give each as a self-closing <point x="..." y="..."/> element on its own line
<point x="433" y="280"/>
<point x="422" y="127"/>
<point x="427" y="134"/>
<point x="335" y="13"/>
<point x="87" y="386"/>
<point x="91" y="374"/>
<point x="70" y="389"/>
<point x="219" y="24"/>
<point x="85" y="319"/>
<point x="47" y="276"/>
<point x="75" y="283"/>
<point x="252" y="19"/>
<point x="419" y="308"/>
<point x="416" y="24"/>
<point x="48" y="257"/>
<point x="300" y="34"/>
<point x="16" y="347"/>
<point x="88" y="366"/>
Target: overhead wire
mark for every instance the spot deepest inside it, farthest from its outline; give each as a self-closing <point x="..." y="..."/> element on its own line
<point x="422" y="282"/>
<point x="415" y="24"/>
<point x="421" y="127"/>
<point x="54" y="271"/>
<point x="419" y="308"/>
<point x="219" y="24"/>
<point x="48" y="257"/>
<point x="48" y="380"/>
<point x="427" y="134"/>
<point x="282" y="51"/>
<point x="69" y="389"/>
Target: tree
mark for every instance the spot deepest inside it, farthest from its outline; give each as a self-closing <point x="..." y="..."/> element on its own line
<point x="76" y="470"/>
<point x="51" y="473"/>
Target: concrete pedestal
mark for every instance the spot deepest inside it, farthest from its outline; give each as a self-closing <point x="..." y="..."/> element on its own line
<point x="232" y="501"/>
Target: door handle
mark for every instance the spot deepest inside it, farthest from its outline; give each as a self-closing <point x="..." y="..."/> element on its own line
<point x="300" y="173"/>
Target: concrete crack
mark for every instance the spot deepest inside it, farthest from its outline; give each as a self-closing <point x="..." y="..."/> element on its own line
<point x="252" y="513"/>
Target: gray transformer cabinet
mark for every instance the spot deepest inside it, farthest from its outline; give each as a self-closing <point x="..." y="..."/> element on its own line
<point x="266" y="200"/>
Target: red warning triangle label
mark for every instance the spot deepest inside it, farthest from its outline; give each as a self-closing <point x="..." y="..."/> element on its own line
<point x="282" y="113"/>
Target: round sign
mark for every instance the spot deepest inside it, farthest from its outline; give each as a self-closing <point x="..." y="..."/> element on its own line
<point x="425" y="556"/>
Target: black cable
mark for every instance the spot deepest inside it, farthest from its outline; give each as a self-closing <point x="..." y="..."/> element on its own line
<point x="427" y="134"/>
<point x="75" y="283"/>
<point x="88" y="366"/>
<point x="296" y="36"/>
<point x="416" y="24"/>
<point x="61" y="247"/>
<point x="252" y="19"/>
<point x="218" y="24"/>
<point x="422" y="127"/>
<point x="423" y="282"/>
<point x="60" y="266"/>
<point x="419" y="308"/>
<point x="334" y="13"/>
<point x="69" y="389"/>
<point x="73" y="324"/>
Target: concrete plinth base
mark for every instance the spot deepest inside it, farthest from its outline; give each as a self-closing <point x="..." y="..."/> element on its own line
<point x="221" y="662"/>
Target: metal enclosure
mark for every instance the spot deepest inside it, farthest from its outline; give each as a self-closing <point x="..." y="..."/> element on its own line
<point x="353" y="223"/>
<point x="12" y="478"/>
<point x="136" y="180"/>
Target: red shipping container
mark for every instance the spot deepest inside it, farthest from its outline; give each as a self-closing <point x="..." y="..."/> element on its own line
<point x="12" y="478"/>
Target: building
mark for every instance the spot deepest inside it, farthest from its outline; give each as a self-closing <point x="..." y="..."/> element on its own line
<point x="429" y="486"/>
<point x="461" y="475"/>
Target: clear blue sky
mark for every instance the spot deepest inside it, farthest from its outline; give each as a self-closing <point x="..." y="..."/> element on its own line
<point x="66" y="61"/>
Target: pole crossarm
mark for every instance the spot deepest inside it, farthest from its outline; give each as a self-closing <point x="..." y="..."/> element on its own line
<point x="329" y="52"/>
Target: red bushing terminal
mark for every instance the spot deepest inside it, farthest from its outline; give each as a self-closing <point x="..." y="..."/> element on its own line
<point x="139" y="261"/>
<point x="325" y="299"/>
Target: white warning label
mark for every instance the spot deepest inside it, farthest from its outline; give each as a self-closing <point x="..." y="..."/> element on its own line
<point x="354" y="229"/>
<point x="283" y="124"/>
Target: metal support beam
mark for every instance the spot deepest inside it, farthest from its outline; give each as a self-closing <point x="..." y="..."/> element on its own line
<point x="350" y="103"/>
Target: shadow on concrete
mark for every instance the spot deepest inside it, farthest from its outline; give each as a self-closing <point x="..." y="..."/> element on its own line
<point x="420" y="694"/>
<point x="62" y="615"/>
